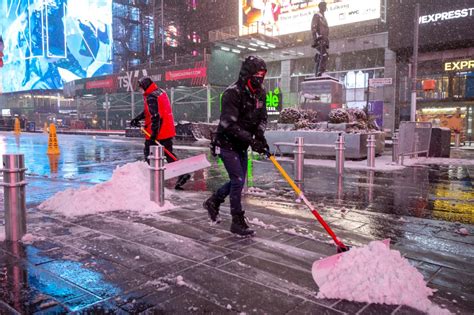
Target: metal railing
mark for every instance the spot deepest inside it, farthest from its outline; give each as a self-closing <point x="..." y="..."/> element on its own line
<point x="414" y="139"/>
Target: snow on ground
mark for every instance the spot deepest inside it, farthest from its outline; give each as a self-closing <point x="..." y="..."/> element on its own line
<point x="128" y="189"/>
<point x="463" y="231"/>
<point x="255" y="191"/>
<point x="374" y="274"/>
<point x="384" y="163"/>
<point x="257" y="222"/>
<point x="30" y="238"/>
<point x="437" y="161"/>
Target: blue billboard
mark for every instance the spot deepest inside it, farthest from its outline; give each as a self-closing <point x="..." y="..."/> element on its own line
<point x="49" y="42"/>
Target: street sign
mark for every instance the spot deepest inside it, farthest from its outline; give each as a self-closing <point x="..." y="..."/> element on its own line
<point x="380" y="81"/>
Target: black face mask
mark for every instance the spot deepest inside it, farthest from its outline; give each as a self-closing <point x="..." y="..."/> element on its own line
<point x="257" y="82"/>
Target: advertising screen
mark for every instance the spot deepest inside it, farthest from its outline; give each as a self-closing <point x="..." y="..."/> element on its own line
<point x="49" y="42"/>
<point x="280" y="17"/>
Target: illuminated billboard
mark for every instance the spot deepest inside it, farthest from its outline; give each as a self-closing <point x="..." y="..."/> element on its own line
<point x="280" y="17"/>
<point x="49" y="42"/>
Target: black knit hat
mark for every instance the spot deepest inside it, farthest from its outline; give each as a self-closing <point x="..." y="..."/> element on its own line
<point x="251" y="66"/>
<point x="145" y="82"/>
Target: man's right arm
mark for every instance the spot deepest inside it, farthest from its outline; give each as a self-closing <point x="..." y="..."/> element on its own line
<point x="135" y="122"/>
<point x="140" y="116"/>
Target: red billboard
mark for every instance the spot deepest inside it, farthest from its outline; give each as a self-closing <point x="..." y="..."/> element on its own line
<point x="185" y="74"/>
<point x="106" y="84"/>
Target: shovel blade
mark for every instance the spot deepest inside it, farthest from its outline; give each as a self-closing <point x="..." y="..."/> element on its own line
<point x="323" y="267"/>
<point x="185" y="166"/>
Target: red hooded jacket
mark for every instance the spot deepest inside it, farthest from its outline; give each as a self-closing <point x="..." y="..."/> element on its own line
<point x="158" y="113"/>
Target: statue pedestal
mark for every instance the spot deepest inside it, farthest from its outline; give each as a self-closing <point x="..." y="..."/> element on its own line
<point x="321" y="94"/>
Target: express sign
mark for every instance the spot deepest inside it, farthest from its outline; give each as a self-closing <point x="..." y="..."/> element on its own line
<point x="449" y="15"/>
<point x="459" y="65"/>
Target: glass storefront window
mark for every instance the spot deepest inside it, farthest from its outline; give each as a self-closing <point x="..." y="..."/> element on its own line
<point x="459" y="88"/>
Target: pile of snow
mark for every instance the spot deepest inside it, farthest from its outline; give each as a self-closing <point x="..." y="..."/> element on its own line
<point x="128" y="189"/>
<point x="374" y="274"/>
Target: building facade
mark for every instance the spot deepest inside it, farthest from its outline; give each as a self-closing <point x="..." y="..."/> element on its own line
<point x="114" y="40"/>
<point x="358" y="48"/>
<point x="445" y="69"/>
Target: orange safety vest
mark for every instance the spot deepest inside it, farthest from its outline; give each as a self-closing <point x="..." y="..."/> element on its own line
<point x="167" y="129"/>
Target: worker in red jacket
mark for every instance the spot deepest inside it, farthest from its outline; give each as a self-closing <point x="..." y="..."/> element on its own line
<point x="159" y="122"/>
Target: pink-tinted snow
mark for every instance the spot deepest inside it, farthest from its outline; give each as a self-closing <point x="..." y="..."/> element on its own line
<point x="128" y="189"/>
<point x="375" y="274"/>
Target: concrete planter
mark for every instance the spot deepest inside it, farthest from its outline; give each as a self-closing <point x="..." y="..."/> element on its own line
<point x="356" y="143"/>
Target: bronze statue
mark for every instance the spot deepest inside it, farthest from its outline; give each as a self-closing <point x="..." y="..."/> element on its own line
<point x="320" y="31"/>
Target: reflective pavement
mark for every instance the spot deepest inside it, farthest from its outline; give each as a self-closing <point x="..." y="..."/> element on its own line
<point x="175" y="262"/>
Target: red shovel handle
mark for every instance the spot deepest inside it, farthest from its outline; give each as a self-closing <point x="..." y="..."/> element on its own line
<point x="329" y="230"/>
<point x="169" y="153"/>
<point x="156" y="141"/>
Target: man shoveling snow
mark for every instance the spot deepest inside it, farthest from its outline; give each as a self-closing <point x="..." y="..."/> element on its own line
<point x="374" y="274"/>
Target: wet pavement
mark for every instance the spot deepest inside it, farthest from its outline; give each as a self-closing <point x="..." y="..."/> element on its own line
<point x="175" y="262"/>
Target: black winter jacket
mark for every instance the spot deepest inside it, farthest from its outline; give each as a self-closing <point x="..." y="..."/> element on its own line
<point x="243" y="117"/>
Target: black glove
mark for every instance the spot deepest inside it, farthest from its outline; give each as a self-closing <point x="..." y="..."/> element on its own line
<point x="135" y="123"/>
<point x="260" y="146"/>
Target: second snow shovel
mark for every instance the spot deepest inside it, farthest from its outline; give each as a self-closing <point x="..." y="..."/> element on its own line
<point x="183" y="166"/>
<point x="340" y="246"/>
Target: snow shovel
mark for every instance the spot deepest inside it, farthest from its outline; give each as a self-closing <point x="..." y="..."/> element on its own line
<point x="340" y="246"/>
<point x="323" y="268"/>
<point x="183" y="166"/>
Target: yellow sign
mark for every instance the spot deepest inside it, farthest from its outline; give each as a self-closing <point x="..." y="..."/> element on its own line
<point x="53" y="147"/>
<point x="17" y="128"/>
<point x="461" y="65"/>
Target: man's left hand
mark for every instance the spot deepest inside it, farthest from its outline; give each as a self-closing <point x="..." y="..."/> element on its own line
<point x="260" y="146"/>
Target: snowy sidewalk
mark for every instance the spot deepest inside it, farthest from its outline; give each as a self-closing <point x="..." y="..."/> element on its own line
<point x="176" y="262"/>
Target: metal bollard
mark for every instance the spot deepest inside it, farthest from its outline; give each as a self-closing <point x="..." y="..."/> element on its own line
<point x="395" y="147"/>
<point x="340" y="188"/>
<point x="457" y="140"/>
<point x="370" y="185"/>
<point x="371" y="151"/>
<point x="340" y="147"/>
<point x="157" y="175"/>
<point x="299" y="161"/>
<point x="14" y="196"/>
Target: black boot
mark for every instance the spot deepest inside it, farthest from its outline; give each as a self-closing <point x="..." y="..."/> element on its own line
<point x="239" y="226"/>
<point x="181" y="181"/>
<point x="212" y="206"/>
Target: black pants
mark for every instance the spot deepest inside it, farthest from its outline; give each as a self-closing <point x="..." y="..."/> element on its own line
<point x="167" y="143"/>
<point x="235" y="163"/>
